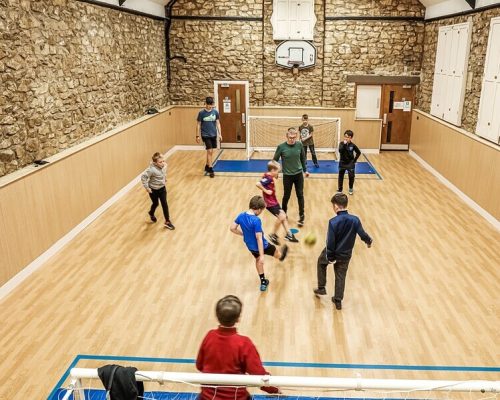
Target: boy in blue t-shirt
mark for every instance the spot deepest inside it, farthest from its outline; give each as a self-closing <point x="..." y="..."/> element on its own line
<point x="208" y="128"/>
<point x="249" y="225"/>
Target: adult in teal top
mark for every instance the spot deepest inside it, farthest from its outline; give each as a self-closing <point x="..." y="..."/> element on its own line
<point x="294" y="168"/>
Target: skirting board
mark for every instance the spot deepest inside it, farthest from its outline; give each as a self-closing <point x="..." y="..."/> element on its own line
<point x="467" y="200"/>
<point x="12" y="283"/>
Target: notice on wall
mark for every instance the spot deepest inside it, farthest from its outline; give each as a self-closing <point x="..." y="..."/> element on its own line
<point x="407" y="106"/>
<point x="227" y="105"/>
<point x="398" y="105"/>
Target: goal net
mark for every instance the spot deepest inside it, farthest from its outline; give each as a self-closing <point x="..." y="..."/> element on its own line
<point x="162" y="385"/>
<point x="266" y="132"/>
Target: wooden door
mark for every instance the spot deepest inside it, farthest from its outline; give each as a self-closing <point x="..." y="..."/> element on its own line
<point x="397" y="103"/>
<point x="232" y="110"/>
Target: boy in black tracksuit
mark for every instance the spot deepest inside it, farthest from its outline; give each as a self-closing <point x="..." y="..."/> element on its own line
<point x="349" y="154"/>
<point x="342" y="231"/>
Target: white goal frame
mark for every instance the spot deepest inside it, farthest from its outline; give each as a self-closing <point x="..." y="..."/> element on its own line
<point x="344" y="384"/>
<point x="250" y="149"/>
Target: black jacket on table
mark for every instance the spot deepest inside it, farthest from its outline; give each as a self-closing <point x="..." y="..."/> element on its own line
<point x="349" y="154"/>
<point x="124" y="385"/>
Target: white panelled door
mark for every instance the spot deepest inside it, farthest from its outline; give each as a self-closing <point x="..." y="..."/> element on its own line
<point x="488" y="122"/>
<point x="450" y="72"/>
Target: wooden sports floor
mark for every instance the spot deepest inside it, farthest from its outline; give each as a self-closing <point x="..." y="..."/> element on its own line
<point x="425" y="294"/>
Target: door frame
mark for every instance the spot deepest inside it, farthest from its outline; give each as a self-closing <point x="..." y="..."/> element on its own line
<point x="390" y="146"/>
<point x="247" y="105"/>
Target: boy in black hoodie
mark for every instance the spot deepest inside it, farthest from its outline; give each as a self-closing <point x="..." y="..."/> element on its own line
<point x="349" y="154"/>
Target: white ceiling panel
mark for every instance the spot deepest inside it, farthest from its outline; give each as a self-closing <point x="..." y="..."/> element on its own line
<point x="434" y="8"/>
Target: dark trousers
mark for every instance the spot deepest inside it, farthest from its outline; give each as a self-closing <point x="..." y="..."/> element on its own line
<point x="350" y="172"/>
<point x="161" y="195"/>
<point x="288" y="182"/>
<point x="313" y="153"/>
<point x="340" y="269"/>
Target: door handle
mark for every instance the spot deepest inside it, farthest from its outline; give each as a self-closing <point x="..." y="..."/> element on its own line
<point x="243" y="118"/>
<point x="384" y="121"/>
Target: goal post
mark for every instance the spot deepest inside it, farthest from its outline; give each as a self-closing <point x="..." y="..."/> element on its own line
<point x="267" y="132"/>
<point x="402" y="388"/>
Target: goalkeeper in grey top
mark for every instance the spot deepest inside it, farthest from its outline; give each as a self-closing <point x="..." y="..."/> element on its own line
<point x="294" y="169"/>
<point x="306" y="137"/>
<point x="154" y="179"/>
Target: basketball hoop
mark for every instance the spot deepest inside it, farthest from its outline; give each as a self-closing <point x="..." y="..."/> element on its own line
<point x="295" y="65"/>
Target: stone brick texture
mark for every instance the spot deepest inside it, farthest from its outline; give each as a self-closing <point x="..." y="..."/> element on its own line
<point x="70" y="71"/>
<point x="475" y="69"/>
<point x="245" y="50"/>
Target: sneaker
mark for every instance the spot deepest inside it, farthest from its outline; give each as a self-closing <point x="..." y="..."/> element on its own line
<point x="169" y="225"/>
<point x="284" y="252"/>
<point x="301" y="222"/>
<point x="211" y="172"/>
<point x="351" y="191"/>
<point x="273" y="238"/>
<point x="320" y="291"/>
<point x="316" y="165"/>
<point x="339" y="190"/>
<point x="338" y="304"/>
<point x="207" y="169"/>
<point x="152" y="217"/>
<point x="264" y="284"/>
<point x="291" y="238"/>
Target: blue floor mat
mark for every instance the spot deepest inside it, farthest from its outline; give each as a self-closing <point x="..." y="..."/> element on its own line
<point x="95" y="394"/>
<point x="325" y="166"/>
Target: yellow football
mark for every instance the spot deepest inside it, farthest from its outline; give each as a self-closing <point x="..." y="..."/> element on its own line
<point x="310" y="239"/>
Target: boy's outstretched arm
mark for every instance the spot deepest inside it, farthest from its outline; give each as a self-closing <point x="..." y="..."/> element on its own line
<point x="235" y="228"/>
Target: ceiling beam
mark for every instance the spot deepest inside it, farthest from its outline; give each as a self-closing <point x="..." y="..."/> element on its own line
<point x="471" y="3"/>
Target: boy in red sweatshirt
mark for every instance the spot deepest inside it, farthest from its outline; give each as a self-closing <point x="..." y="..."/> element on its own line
<point x="224" y="351"/>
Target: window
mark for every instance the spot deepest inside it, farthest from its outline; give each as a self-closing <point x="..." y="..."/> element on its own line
<point x="293" y="19"/>
<point x="450" y="72"/>
<point x="368" y="101"/>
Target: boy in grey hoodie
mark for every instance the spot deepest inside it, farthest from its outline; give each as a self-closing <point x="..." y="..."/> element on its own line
<point x="153" y="179"/>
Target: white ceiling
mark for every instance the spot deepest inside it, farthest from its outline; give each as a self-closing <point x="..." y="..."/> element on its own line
<point x="434" y="8"/>
<point x="426" y="3"/>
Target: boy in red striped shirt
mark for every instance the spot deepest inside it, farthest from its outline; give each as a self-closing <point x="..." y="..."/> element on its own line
<point x="224" y="351"/>
<point x="267" y="185"/>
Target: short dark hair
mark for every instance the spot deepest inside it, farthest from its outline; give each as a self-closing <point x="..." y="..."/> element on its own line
<point x="290" y="130"/>
<point x="340" y="199"/>
<point x="156" y="156"/>
<point x="349" y="133"/>
<point x="257" y="203"/>
<point x="228" y="310"/>
<point x="305" y="116"/>
<point x="209" y="100"/>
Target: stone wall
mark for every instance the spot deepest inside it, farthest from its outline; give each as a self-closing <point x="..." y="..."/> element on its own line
<point x="214" y="50"/>
<point x="375" y="8"/>
<point x="281" y="87"/>
<point x="70" y="71"/>
<point x="245" y="50"/>
<point x="479" y="42"/>
<point x="368" y="47"/>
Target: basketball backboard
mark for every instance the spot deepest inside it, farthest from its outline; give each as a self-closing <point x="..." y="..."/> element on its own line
<point x="295" y="54"/>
